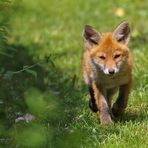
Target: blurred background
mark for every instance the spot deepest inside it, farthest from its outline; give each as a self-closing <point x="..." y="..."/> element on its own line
<point x="43" y="101"/>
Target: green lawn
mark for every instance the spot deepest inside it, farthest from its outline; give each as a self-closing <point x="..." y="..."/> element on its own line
<point x="40" y="56"/>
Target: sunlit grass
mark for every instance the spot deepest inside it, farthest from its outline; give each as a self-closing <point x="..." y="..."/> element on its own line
<point x="57" y="97"/>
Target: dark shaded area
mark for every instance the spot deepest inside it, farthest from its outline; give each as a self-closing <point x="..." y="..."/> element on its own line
<point x="14" y="84"/>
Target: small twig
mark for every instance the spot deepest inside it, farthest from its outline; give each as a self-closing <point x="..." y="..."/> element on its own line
<point x="28" y="67"/>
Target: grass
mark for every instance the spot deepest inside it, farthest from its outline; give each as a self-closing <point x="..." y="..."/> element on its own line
<point x="54" y="92"/>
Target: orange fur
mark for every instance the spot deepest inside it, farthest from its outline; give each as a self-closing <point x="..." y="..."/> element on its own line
<point x="106" y="68"/>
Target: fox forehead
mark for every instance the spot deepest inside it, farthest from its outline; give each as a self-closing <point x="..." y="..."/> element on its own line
<point x="108" y="45"/>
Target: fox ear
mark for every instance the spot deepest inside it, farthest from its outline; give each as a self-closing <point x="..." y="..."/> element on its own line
<point x="91" y="37"/>
<point x="122" y="33"/>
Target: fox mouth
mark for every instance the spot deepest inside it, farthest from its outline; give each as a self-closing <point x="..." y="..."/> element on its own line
<point x="112" y="76"/>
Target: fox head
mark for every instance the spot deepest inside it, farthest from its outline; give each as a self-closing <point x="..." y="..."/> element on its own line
<point x="108" y="51"/>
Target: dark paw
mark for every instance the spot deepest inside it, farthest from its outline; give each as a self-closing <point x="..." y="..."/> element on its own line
<point x="116" y="111"/>
<point x="93" y="105"/>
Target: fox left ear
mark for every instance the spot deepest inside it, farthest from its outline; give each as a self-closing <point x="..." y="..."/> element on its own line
<point x="91" y="37"/>
<point x="122" y="33"/>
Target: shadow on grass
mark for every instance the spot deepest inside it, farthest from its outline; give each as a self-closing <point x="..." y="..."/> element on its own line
<point x="15" y="83"/>
<point x="134" y="115"/>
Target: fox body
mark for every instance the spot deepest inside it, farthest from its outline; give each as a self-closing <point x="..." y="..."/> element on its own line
<point x="107" y="68"/>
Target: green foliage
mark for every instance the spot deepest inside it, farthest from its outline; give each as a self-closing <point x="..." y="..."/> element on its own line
<point x="43" y="102"/>
<point x="35" y="102"/>
<point x="33" y="135"/>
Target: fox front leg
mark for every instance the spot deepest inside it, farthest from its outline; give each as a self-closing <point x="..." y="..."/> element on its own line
<point x="121" y="102"/>
<point x="92" y="100"/>
<point x="102" y="106"/>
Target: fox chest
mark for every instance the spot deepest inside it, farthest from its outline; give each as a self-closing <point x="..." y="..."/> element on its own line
<point x="109" y="82"/>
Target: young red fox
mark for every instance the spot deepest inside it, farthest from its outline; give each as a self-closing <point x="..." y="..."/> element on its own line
<point x="106" y="69"/>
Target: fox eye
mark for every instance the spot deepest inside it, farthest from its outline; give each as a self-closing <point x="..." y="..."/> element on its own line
<point x="102" y="57"/>
<point x="117" y="56"/>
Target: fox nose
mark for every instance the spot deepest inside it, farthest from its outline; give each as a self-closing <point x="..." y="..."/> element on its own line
<point x="111" y="71"/>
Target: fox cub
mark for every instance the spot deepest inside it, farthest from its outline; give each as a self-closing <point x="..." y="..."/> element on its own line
<point x="106" y="68"/>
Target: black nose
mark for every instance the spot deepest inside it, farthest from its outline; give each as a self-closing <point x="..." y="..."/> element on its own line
<point x="111" y="71"/>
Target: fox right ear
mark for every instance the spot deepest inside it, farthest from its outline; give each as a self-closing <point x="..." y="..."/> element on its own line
<point x="91" y="37"/>
<point x="122" y="33"/>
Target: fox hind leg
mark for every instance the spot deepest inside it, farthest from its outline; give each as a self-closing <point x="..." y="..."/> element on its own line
<point x="110" y="93"/>
<point x="121" y="102"/>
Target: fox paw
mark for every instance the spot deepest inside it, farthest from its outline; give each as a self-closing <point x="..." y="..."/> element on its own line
<point x="105" y="120"/>
<point x="117" y="111"/>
